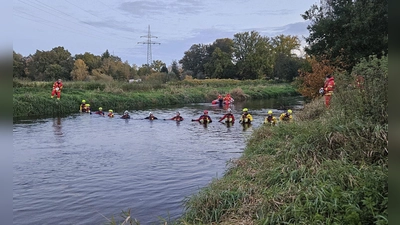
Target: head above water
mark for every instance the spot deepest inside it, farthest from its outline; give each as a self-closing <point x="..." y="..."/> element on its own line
<point x="100" y="108"/>
<point x="270" y="112"/>
<point x="229" y="110"/>
<point x="59" y="80"/>
<point x="126" y="112"/>
<point x="289" y="111"/>
<point x="245" y="109"/>
<point x="205" y="112"/>
<point x="150" y="113"/>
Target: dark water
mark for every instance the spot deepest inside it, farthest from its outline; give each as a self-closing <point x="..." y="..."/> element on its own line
<point x="82" y="168"/>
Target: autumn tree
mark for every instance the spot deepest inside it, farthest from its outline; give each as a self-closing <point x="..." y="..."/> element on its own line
<point x="309" y="82"/>
<point x="92" y="61"/>
<point x="80" y="71"/>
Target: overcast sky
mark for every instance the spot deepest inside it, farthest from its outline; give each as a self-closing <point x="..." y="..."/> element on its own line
<point x="118" y="25"/>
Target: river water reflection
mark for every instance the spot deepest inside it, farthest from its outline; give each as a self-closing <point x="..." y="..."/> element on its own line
<point x="81" y="168"/>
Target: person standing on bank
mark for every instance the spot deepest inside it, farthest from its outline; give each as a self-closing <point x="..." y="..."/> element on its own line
<point x="57" y="86"/>
<point x="328" y="88"/>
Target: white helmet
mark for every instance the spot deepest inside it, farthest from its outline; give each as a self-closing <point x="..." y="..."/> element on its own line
<point x="126" y="112"/>
<point x="229" y="110"/>
<point x="150" y="113"/>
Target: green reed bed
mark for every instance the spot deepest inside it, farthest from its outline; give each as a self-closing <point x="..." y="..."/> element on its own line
<point x="33" y="98"/>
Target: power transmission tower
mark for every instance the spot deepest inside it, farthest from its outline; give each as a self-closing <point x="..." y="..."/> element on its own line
<point x="149" y="42"/>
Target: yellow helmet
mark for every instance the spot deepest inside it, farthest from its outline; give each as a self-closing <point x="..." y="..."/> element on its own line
<point x="100" y="108"/>
<point x="289" y="111"/>
<point x="245" y="110"/>
<point x="83" y="101"/>
<point x="270" y="112"/>
<point x="110" y="110"/>
<point x="87" y="104"/>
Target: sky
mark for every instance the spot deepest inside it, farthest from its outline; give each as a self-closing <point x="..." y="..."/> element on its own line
<point x="121" y="26"/>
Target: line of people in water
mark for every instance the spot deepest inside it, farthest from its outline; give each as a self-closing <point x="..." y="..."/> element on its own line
<point x="227" y="118"/>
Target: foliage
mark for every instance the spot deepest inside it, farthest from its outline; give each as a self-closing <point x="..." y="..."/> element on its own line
<point x="79" y="73"/>
<point x="343" y="30"/>
<point x="328" y="167"/>
<point x="286" y="67"/>
<point x="309" y="82"/>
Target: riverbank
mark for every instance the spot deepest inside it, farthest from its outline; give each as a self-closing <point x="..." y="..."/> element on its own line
<point x="330" y="166"/>
<point x="33" y="98"/>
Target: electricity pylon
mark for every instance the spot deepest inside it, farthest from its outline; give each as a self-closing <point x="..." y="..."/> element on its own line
<point x="149" y="42"/>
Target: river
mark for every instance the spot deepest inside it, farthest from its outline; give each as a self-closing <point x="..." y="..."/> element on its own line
<point x="84" y="169"/>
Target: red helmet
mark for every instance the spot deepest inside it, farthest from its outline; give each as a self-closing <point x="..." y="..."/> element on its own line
<point x="205" y="111"/>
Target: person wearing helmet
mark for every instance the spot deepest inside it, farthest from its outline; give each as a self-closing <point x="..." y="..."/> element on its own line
<point x="177" y="117"/>
<point x="246" y="118"/>
<point x="151" y="117"/>
<point x="110" y="113"/>
<point x="228" y="117"/>
<point x="286" y="116"/>
<point x="100" y="111"/>
<point x="126" y="115"/>
<point x="57" y="87"/>
<point x="87" y="108"/>
<point x="270" y="119"/>
<point x="82" y="106"/>
<point x="204" y="119"/>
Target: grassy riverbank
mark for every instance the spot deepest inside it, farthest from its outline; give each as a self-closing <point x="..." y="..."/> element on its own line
<point x="33" y="98"/>
<point x="330" y="166"/>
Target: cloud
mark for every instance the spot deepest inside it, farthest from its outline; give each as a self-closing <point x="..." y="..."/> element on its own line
<point x="158" y="8"/>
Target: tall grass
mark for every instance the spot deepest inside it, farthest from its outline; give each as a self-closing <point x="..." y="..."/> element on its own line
<point x="328" y="167"/>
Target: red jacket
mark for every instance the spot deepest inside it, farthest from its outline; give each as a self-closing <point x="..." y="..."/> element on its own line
<point x="329" y="86"/>
<point x="227" y="116"/>
<point x="58" y="85"/>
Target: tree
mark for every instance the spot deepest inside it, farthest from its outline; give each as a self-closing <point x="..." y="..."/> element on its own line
<point x="80" y="71"/>
<point x="285" y="45"/>
<point x="345" y="31"/>
<point x="175" y="69"/>
<point x="18" y="66"/>
<point x="164" y="69"/>
<point x="286" y="67"/>
<point x="220" y="65"/>
<point x="157" y="65"/>
<point x="92" y="61"/>
<point x="309" y="82"/>
<point x="252" y="55"/>
<point x="194" y="59"/>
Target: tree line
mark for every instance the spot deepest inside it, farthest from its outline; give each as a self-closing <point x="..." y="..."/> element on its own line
<point x="341" y="33"/>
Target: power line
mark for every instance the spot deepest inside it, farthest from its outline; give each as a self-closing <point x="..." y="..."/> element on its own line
<point x="149" y="42"/>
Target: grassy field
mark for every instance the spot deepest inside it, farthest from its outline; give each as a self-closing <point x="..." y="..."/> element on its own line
<point x="33" y="98"/>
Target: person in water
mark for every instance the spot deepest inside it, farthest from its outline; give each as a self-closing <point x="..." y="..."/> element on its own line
<point x="220" y="100"/>
<point x="110" y="113"/>
<point x="82" y="106"/>
<point x="287" y="116"/>
<point x="100" y="112"/>
<point x="270" y="119"/>
<point x="177" y="117"/>
<point x="205" y="118"/>
<point x="151" y="117"/>
<point x="228" y="117"/>
<point x="126" y="115"/>
<point x="246" y="118"/>
<point x="57" y="87"/>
